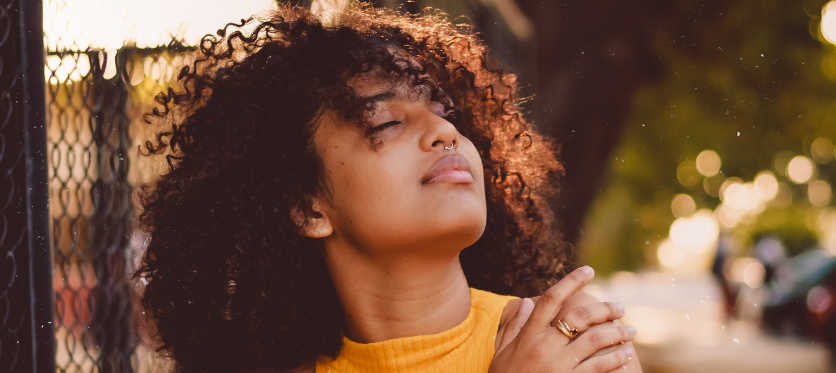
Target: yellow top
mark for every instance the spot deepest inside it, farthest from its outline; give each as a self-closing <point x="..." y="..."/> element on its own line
<point x="466" y="348"/>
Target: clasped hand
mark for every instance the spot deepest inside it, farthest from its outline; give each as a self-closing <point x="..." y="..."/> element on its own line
<point x="530" y="342"/>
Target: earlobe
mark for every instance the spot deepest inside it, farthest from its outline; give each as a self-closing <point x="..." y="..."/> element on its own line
<point x="317" y="225"/>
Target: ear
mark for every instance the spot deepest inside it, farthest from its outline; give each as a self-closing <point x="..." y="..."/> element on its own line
<point x="317" y="225"/>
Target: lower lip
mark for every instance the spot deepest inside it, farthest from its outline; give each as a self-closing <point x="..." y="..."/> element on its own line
<point x="452" y="176"/>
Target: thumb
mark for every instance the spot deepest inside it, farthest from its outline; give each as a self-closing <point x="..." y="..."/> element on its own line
<point x="513" y="327"/>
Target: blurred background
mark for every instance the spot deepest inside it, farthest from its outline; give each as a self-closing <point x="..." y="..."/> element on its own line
<point x="698" y="140"/>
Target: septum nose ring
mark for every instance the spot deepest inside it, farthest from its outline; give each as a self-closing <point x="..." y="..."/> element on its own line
<point x="451" y="146"/>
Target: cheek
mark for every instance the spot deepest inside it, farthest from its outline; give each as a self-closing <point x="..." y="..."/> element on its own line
<point x="370" y="190"/>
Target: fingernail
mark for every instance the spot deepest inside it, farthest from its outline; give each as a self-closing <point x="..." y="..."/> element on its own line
<point x="587" y="270"/>
<point x="620" y="309"/>
<point x="628" y="351"/>
<point x="632" y="330"/>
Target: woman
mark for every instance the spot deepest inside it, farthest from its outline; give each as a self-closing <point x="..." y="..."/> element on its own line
<point x="353" y="199"/>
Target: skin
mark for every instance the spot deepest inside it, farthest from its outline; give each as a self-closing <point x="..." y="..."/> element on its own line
<point x="391" y="242"/>
<point x="575" y="302"/>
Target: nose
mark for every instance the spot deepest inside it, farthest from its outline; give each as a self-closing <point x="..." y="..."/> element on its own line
<point x="439" y="135"/>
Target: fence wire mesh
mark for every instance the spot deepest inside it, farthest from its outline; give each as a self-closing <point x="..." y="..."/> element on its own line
<point x="95" y="98"/>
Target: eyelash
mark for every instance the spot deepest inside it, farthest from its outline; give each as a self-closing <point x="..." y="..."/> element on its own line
<point x="384" y="125"/>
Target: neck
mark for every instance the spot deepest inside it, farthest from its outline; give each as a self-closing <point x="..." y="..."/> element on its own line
<point x="384" y="299"/>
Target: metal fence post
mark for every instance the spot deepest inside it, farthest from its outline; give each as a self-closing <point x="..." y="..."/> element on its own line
<point x="26" y="312"/>
<point x="37" y="210"/>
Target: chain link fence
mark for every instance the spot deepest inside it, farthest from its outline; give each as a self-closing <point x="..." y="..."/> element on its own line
<point x="94" y="101"/>
<point x="81" y="314"/>
<point x="92" y="98"/>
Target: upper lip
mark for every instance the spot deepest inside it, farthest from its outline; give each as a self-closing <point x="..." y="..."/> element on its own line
<point x="450" y="162"/>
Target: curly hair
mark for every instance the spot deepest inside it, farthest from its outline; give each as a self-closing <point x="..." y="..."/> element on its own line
<point x="231" y="285"/>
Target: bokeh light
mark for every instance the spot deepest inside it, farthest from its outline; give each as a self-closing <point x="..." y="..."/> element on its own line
<point x="753" y="274"/>
<point x="782" y="160"/>
<point x="708" y="163"/>
<point x="728" y="216"/>
<point x="828" y="22"/>
<point x="683" y="205"/>
<point x="800" y="169"/>
<point x="669" y="255"/>
<point x="726" y="183"/>
<point x="712" y="184"/>
<point x="742" y="197"/>
<point x="822" y="150"/>
<point x="784" y="197"/>
<point x="828" y="241"/>
<point x="819" y="299"/>
<point x="737" y="269"/>
<point x="696" y="234"/>
<point x="819" y="193"/>
<point x="766" y="186"/>
<point x="687" y="173"/>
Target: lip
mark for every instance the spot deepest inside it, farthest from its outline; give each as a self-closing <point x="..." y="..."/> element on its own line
<point x="450" y="169"/>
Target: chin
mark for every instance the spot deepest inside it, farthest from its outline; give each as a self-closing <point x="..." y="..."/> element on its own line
<point x="465" y="230"/>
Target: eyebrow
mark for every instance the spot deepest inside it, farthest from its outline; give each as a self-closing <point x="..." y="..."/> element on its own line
<point x="387" y="96"/>
<point x="383" y="96"/>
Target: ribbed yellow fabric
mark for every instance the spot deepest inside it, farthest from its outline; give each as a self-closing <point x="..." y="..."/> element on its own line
<point x="466" y="348"/>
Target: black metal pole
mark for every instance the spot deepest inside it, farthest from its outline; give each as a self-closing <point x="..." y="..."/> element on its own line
<point x="37" y="193"/>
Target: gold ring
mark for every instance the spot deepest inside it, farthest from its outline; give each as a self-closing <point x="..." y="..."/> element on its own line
<point x="564" y="327"/>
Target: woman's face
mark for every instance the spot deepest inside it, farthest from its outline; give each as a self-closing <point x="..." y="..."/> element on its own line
<point x="381" y="201"/>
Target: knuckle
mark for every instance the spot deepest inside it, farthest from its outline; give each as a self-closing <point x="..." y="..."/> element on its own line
<point x="600" y="366"/>
<point x="613" y="308"/>
<point x="583" y="314"/>
<point x="595" y="338"/>
<point x="550" y="296"/>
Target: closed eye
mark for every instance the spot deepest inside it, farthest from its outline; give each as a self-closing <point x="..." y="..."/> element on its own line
<point x="384" y="126"/>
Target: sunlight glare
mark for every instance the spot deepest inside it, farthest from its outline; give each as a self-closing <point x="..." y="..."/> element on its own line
<point x="111" y="24"/>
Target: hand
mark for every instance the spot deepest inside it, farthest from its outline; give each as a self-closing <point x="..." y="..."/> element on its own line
<point x="529" y="342"/>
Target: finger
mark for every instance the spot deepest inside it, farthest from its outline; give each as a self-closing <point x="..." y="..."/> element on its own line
<point x="590" y="342"/>
<point x="512" y="328"/>
<point x="606" y="363"/>
<point x="551" y="301"/>
<point x="583" y="317"/>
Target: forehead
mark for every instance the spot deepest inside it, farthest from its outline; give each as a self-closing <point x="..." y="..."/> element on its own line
<point x="376" y="81"/>
<point x="378" y="88"/>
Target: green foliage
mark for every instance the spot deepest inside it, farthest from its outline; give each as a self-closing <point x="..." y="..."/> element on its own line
<point x="747" y="80"/>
